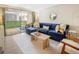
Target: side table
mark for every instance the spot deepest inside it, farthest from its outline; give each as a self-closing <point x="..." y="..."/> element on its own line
<point x="69" y="47"/>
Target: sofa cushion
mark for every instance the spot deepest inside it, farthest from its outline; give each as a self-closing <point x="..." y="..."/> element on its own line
<point x="44" y="24"/>
<point x="43" y="30"/>
<point x="52" y="27"/>
<point x="52" y="32"/>
<point x="56" y="35"/>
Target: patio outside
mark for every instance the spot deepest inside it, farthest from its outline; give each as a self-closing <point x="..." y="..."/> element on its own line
<point x="14" y="21"/>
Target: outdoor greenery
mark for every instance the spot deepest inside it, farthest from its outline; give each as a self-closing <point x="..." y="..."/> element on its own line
<point x="14" y="24"/>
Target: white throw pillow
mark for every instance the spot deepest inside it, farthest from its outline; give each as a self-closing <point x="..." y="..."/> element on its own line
<point x="46" y="27"/>
<point x="57" y="28"/>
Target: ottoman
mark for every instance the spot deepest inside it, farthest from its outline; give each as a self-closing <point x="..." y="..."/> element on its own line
<point x="30" y="30"/>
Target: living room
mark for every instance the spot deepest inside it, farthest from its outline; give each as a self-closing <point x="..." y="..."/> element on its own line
<point x="51" y="28"/>
<point x="63" y="14"/>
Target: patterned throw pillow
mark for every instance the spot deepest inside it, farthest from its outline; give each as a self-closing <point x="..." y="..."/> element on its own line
<point x="62" y="28"/>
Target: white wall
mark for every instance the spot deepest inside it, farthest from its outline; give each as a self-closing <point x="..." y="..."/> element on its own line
<point x="66" y="14"/>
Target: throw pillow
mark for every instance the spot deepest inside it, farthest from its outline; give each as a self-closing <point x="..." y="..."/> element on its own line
<point x="62" y="28"/>
<point x="57" y="28"/>
<point x="46" y="27"/>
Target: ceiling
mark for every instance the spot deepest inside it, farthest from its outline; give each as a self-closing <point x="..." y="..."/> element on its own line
<point x="33" y="7"/>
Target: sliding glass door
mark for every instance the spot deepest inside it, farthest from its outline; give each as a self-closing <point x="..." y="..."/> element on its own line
<point x="12" y="21"/>
<point x="16" y="20"/>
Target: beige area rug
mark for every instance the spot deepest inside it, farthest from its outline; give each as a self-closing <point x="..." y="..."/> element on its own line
<point x="12" y="31"/>
<point x="48" y="50"/>
<point x="11" y="46"/>
<point x="21" y="43"/>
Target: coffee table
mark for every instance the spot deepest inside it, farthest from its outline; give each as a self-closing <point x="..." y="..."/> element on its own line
<point x="42" y="38"/>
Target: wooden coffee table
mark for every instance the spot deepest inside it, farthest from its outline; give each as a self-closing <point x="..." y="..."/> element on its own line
<point x="43" y="39"/>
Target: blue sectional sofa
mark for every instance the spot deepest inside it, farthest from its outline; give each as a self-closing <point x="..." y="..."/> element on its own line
<point x="51" y="31"/>
<point x="57" y="36"/>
